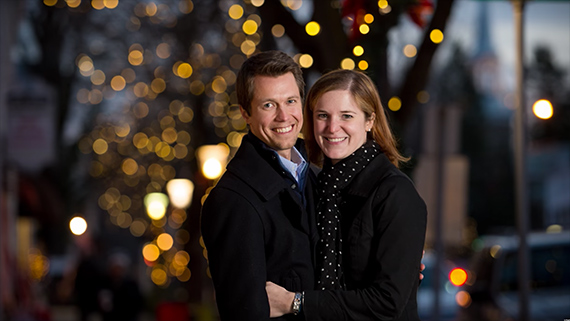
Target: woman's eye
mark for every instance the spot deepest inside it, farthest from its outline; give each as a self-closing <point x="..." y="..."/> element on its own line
<point x="322" y="116"/>
<point x="346" y="116"/>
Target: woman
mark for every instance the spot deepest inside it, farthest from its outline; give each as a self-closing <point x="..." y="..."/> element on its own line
<point x="370" y="218"/>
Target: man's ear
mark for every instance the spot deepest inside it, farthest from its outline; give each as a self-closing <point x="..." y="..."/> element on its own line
<point x="244" y="114"/>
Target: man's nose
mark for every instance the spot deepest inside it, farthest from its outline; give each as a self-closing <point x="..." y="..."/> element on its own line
<point x="282" y="114"/>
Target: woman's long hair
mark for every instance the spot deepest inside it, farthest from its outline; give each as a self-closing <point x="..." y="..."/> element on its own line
<point x="366" y="97"/>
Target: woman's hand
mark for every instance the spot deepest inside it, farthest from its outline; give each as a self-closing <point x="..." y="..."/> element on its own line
<point x="422" y="266"/>
<point x="280" y="300"/>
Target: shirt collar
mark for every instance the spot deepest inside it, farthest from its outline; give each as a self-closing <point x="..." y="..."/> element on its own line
<point x="296" y="165"/>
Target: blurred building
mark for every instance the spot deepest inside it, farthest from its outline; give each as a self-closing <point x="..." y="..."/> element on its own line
<point x="549" y="185"/>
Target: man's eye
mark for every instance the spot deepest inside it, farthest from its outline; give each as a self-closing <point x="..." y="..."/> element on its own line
<point x="267" y="105"/>
<point x="292" y="101"/>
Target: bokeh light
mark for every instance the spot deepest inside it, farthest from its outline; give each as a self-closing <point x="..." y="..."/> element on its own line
<point x="463" y="299"/>
<point x="184" y="70"/>
<point x="111" y="4"/>
<point x="159" y="276"/>
<point x="180" y="191"/>
<point x="235" y="11"/>
<point x="312" y="28"/>
<point x="212" y="168"/>
<point x="458" y="276"/>
<point x="347" y="63"/>
<point x="542" y="109"/>
<point x="305" y="61"/>
<point x="150" y="252"/>
<point x="363" y="65"/>
<point x="100" y="146"/>
<point x="436" y="36"/>
<point x="163" y="50"/>
<point x="423" y="97"/>
<point x="164" y="241"/>
<point x="410" y="51"/>
<point x="118" y="83"/>
<point x="78" y="225"/>
<point x="135" y="57"/>
<point x="394" y="104"/>
<point x="364" y="29"/>
<point x="156" y="204"/>
<point x="358" y="51"/>
<point x="249" y="27"/>
<point x="278" y="31"/>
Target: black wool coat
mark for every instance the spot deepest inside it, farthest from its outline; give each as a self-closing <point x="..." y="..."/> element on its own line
<point x="383" y="224"/>
<point x="256" y="228"/>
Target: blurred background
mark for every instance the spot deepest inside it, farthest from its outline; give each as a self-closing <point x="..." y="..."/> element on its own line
<point x="118" y="116"/>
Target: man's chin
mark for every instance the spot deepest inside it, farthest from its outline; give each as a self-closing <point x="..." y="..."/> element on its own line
<point x="283" y="145"/>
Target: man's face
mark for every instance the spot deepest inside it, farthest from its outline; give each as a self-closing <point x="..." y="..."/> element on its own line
<point x="276" y="112"/>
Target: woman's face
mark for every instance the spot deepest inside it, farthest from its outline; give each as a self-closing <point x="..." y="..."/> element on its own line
<point x="340" y="125"/>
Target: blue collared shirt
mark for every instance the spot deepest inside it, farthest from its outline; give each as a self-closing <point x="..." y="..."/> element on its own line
<point x="296" y="166"/>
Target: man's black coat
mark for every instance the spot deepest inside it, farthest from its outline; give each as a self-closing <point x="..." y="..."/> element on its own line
<point x="256" y="228"/>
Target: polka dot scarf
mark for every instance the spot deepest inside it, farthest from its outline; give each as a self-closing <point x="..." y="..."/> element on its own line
<point x="332" y="179"/>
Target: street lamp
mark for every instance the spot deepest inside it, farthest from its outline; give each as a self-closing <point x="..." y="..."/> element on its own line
<point x="542" y="109"/>
<point x="78" y="225"/>
<point x="156" y="204"/>
<point x="180" y="192"/>
<point x="213" y="159"/>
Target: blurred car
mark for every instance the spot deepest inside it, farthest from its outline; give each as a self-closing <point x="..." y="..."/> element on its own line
<point x="492" y="288"/>
<point x="448" y="306"/>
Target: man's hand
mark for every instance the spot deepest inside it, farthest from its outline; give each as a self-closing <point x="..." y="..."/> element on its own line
<point x="280" y="300"/>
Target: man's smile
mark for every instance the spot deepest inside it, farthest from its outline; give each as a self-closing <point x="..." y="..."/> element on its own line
<point x="284" y="130"/>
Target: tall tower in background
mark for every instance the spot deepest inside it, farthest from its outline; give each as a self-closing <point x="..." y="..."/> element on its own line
<point x="487" y="136"/>
<point x="486" y="70"/>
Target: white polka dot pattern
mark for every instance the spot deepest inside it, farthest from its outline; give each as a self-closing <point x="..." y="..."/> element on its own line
<point x="332" y="179"/>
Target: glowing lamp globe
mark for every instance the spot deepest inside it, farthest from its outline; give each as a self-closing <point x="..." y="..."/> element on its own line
<point x="180" y="192"/>
<point x="156" y="205"/>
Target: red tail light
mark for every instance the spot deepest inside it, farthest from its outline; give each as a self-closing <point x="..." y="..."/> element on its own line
<point x="458" y="276"/>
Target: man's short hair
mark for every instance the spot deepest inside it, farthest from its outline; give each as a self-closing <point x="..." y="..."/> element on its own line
<point x="271" y="63"/>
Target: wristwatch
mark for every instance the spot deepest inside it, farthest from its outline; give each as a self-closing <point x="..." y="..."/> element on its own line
<point x="297" y="303"/>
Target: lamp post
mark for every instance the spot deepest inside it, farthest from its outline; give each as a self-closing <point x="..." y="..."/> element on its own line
<point x="180" y="191"/>
<point x="213" y="159"/>
<point x="521" y="196"/>
<point x="156" y="205"/>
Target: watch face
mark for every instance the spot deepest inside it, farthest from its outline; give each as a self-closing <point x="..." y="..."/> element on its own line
<point x="297" y="303"/>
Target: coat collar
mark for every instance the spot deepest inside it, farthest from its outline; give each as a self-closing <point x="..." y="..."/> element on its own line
<point x="258" y="166"/>
<point x="363" y="184"/>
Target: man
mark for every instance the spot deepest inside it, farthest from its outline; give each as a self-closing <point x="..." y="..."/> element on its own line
<point x="258" y="223"/>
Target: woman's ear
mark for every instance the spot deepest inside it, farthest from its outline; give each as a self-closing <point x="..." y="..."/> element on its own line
<point x="370" y="122"/>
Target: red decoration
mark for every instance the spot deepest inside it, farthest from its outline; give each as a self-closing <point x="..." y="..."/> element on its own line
<point x="353" y="9"/>
<point x="421" y="12"/>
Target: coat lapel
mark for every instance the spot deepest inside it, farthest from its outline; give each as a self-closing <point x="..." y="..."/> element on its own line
<point x="259" y="168"/>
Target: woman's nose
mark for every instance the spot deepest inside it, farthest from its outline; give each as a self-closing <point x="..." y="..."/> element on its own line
<point x="333" y="125"/>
